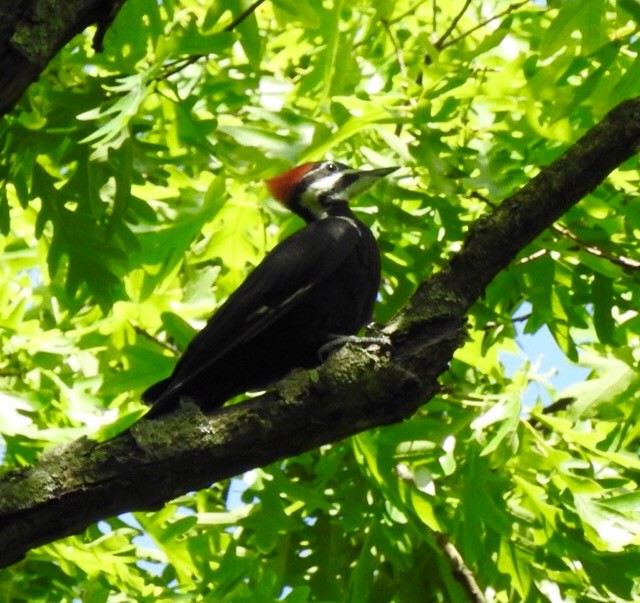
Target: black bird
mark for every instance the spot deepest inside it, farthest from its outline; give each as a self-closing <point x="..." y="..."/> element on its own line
<point x="313" y="288"/>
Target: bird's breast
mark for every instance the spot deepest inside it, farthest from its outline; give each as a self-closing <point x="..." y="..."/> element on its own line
<point x="344" y="302"/>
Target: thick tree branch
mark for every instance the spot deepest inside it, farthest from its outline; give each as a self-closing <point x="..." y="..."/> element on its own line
<point x="77" y="484"/>
<point x="32" y="32"/>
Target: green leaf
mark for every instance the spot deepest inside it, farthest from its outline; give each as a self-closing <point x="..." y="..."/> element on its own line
<point x="5" y="220"/>
<point x="423" y="508"/>
<point x="300" y="10"/>
<point x="607" y="528"/>
<point x="194" y="42"/>
<point x="575" y="15"/>
<point x="132" y="91"/>
<point x="602" y="307"/>
<point x="249" y="33"/>
<point x="632" y="7"/>
<point x="178" y="329"/>
<point x="516" y="564"/>
<point x="614" y="381"/>
<point x="151" y="222"/>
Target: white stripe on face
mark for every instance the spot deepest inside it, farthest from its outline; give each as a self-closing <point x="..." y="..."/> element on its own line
<point x="324" y="185"/>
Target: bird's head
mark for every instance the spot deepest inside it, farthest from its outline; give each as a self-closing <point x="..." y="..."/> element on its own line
<point x="318" y="189"/>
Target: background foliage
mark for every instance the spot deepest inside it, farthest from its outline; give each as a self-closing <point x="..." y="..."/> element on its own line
<point x="131" y="205"/>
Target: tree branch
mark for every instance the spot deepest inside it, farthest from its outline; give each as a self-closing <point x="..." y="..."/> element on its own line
<point x="77" y="484"/>
<point x="247" y="12"/>
<point x="460" y="570"/>
<point x="179" y="64"/>
<point x="619" y="260"/>
<point x="32" y="32"/>
<point x="452" y="25"/>
<point x="443" y="43"/>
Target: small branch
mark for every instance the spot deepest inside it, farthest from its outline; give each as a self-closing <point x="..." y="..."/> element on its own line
<point x="243" y="15"/>
<point x="492" y="324"/>
<point x="626" y="263"/>
<point x="150" y="337"/>
<point x="180" y="64"/>
<point x="409" y="11"/>
<point x="534" y="256"/>
<point x="440" y="44"/>
<point x="401" y="64"/>
<point x="460" y="571"/>
<point x="557" y="406"/>
<point x="506" y="11"/>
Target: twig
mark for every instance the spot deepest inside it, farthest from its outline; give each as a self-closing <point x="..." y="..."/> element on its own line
<point x="150" y="337"/>
<point x="401" y="64"/>
<point x="557" y="406"/>
<point x="440" y="44"/>
<point x="619" y="260"/>
<point x="243" y="15"/>
<point x="460" y="571"/>
<point x="409" y="11"/>
<point x="478" y="195"/>
<point x="492" y="324"/>
<point x="180" y="64"/>
<point x="534" y="256"/>
<point x="506" y="11"/>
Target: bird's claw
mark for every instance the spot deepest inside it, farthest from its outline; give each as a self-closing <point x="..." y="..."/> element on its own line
<point x="338" y="341"/>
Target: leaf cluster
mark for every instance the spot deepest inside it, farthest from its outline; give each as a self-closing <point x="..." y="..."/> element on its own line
<point x="131" y="206"/>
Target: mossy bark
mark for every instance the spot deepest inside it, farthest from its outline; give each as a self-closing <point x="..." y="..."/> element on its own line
<point x="32" y="32"/>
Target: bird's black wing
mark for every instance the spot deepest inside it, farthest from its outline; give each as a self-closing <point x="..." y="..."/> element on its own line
<point x="280" y="282"/>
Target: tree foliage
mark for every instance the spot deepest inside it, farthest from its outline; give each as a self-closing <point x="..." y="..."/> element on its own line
<point x="132" y="205"/>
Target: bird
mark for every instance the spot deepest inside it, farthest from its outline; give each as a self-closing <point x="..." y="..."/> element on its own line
<point x="311" y="291"/>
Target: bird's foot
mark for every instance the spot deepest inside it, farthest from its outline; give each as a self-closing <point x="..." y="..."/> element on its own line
<point x="337" y="341"/>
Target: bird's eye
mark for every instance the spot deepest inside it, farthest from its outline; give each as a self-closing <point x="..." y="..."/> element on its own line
<point x="331" y="167"/>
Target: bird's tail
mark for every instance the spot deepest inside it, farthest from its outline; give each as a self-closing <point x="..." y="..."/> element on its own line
<point x="151" y="394"/>
<point x="162" y="398"/>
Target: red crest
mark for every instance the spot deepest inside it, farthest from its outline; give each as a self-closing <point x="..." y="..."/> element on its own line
<point x="281" y="186"/>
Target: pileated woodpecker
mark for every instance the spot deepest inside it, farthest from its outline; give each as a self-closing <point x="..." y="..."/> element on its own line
<point x="314" y="287"/>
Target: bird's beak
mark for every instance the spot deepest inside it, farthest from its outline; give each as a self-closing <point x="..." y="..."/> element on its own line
<point x="380" y="172"/>
<point x="362" y="180"/>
